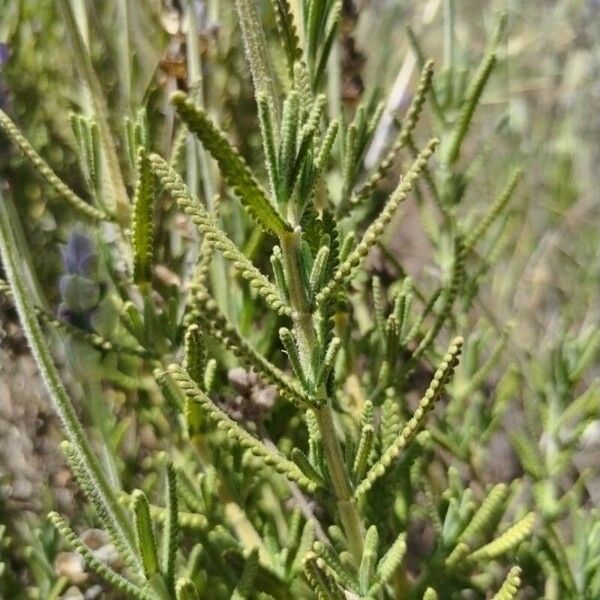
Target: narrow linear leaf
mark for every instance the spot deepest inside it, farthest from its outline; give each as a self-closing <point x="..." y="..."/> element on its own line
<point x="468" y="110"/>
<point x="449" y="297"/>
<point x="42" y="167"/>
<point x="336" y="16"/>
<point x="374" y="231"/>
<point x="387" y="566"/>
<point x="511" y="538"/>
<point x="267" y="131"/>
<point x="246" y="584"/>
<point x="511" y="585"/>
<point x="195" y="360"/>
<point x="363" y="452"/>
<point x="233" y="166"/>
<point x="223" y="330"/>
<point x="171" y="529"/>
<point x="173" y="183"/>
<point x="415" y="424"/>
<point x="368" y="562"/>
<point x="321" y="583"/>
<point x="487" y="514"/>
<point x="289" y="343"/>
<point x="84" y="65"/>
<point x="193" y="522"/>
<point x="328" y="558"/>
<point x="97" y="500"/>
<point x="408" y="125"/>
<point x="306" y="466"/>
<point x="495" y="210"/>
<point x="144" y="533"/>
<point x="256" y="51"/>
<point x="142" y="236"/>
<point x="269" y="457"/>
<point x="96" y="565"/>
<point x="288" y="35"/>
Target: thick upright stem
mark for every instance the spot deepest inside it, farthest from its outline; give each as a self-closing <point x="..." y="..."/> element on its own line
<point x="349" y="515"/>
<point x="307" y="344"/>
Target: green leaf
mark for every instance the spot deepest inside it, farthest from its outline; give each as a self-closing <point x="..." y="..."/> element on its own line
<point x="510" y="587"/>
<point x="195" y="359"/>
<point x="94" y="495"/>
<point x="494" y="211"/>
<point x="287" y="32"/>
<point x="233" y="166"/>
<point x="205" y="223"/>
<point x="186" y="590"/>
<point x="145" y="533"/>
<point x="321" y="583"/>
<point x="376" y="228"/>
<point x="415" y="424"/>
<point x="408" y="125"/>
<point x="246" y="584"/>
<point x="94" y="564"/>
<point x="365" y="445"/>
<point x="42" y="167"/>
<point x="256" y="51"/>
<point x="306" y="466"/>
<point x="289" y="343"/>
<point x="389" y="563"/>
<point x="171" y="530"/>
<point x="221" y="329"/>
<point x="83" y="63"/>
<point x="334" y="565"/>
<point x="142" y="236"/>
<point x="473" y="96"/>
<point x="271" y="458"/>
<point x="487" y="515"/>
<point x="511" y="538"/>
<point x="366" y="570"/>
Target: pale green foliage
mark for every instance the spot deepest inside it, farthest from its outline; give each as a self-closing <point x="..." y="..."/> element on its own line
<point x="78" y="204"/>
<point x="232" y="165"/>
<point x="143" y="221"/>
<point x="302" y="475"/>
<point x="510" y="586"/>
<point x="144" y="533"/>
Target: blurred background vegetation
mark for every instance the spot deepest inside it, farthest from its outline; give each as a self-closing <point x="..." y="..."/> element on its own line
<point x="536" y="312"/>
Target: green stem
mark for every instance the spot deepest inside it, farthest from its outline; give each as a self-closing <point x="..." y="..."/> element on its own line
<point x="74" y="432"/>
<point x="307" y="345"/>
<point x="303" y="326"/>
<point x="349" y="514"/>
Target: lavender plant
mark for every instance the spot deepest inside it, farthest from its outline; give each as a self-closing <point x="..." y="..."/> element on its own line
<point x="283" y="375"/>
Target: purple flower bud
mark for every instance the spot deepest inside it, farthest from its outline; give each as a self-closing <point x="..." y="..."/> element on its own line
<point x="4" y="91"/>
<point x="4" y="53"/>
<point x="79" y="255"/>
<point x="79" y="294"/>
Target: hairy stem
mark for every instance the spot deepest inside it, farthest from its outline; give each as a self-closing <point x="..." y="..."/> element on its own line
<point x="307" y="344"/>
